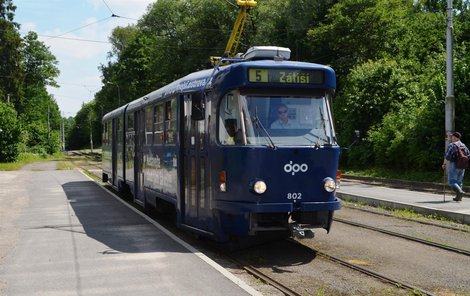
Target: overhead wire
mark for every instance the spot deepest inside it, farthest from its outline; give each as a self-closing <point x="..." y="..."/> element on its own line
<point x="108" y="42"/>
<point x="74" y="39"/>
<point x="112" y="12"/>
<point x="60" y="35"/>
<point x="98" y="21"/>
<point x="115" y="15"/>
<point x="233" y="4"/>
<point x="78" y="84"/>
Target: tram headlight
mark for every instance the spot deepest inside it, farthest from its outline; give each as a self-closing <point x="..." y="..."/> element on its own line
<point x="329" y="184"/>
<point x="259" y="187"/>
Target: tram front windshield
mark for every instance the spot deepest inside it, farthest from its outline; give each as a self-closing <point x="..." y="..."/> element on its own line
<point x="275" y="120"/>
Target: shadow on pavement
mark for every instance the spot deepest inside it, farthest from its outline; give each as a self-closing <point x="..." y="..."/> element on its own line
<point x="110" y="222"/>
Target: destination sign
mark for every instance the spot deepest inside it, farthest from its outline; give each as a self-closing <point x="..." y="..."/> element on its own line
<point x="295" y="76"/>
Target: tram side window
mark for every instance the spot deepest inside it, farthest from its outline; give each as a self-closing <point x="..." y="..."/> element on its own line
<point x="110" y="132"/>
<point x="130" y="129"/>
<point x="230" y="131"/>
<point x="149" y="125"/>
<point x="120" y="130"/>
<point x="104" y="135"/>
<point x="170" y="122"/>
<point x="159" y="120"/>
<point x="130" y="122"/>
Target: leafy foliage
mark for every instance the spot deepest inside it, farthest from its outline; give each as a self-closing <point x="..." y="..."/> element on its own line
<point x="27" y="68"/>
<point x="389" y="56"/>
<point x="11" y="74"/>
<point x="9" y="133"/>
<point x="83" y="128"/>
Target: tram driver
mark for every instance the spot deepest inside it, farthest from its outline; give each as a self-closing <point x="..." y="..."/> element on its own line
<point x="282" y="121"/>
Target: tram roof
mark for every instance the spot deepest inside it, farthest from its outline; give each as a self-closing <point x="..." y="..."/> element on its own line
<point x="197" y="81"/>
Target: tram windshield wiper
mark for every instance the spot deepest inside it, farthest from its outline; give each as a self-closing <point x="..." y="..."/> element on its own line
<point x="259" y="126"/>
<point x="324" y="125"/>
<point x="316" y="145"/>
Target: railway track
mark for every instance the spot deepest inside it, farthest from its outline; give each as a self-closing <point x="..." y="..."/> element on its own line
<point x="243" y="265"/>
<point x="286" y="290"/>
<point x="379" y="276"/>
<point x="382" y="213"/>
<point x="255" y="272"/>
<point x="404" y="236"/>
<point x="382" y="277"/>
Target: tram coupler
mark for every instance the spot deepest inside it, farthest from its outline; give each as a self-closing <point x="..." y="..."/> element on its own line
<point x="300" y="232"/>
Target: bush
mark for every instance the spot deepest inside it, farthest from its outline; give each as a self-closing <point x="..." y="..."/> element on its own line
<point x="9" y="133"/>
<point x="37" y="141"/>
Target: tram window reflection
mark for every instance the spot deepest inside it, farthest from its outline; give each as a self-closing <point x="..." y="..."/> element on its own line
<point x="149" y="125"/>
<point x="306" y="120"/>
<point x="230" y="131"/>
<point x="158" y="124"/>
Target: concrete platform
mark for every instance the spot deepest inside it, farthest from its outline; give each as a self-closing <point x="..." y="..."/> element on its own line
<point x="420" y="202"/>
<point x="63" y="234"/>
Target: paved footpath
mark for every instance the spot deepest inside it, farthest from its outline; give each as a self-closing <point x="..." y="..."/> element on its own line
<point x="62" y="234"/>
<point x="421" y="202"/>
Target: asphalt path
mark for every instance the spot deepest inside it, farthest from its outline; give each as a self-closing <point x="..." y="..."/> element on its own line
<point x="62" y="234"/>
<point x="427" y="203"/>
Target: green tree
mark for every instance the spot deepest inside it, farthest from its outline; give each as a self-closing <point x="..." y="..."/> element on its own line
<point x="39" y="112"/>
<point x="370" y="30"/>
<point x="40" y="64"/>
<point x="11" y="74"/>
<point x="85" y="124"/>
<point x="9" y="133"/>
<point x="120" y="38"/>
<point x="286" y="23"/>
<point x="374" y="88"/>
<point x="173" y="39"/>
<point x="410" y="136"/>
<point x="389" y="56"/>
<point x="462" y="90"/>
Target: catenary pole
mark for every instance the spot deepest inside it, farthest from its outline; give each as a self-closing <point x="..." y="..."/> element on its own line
<point x="91" y="134"/>
<point x="48" y="125"/>
<point x="63" y="134"/>
<point x="450" y="99"/>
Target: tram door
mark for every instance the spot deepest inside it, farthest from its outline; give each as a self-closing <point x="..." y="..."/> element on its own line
<point x="139" y="156"/>
<point x="114" y="144"/>
<point x="196" y="205"/>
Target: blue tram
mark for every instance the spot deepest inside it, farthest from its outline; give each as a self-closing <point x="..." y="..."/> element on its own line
<point x="240" y="150"/>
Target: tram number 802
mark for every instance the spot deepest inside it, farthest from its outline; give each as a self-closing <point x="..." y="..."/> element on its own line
<point x="295" y="196"/>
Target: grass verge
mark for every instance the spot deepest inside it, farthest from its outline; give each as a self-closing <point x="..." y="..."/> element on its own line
<point x="27" y="158"/>
<point x="420" y="176"/>
<point x="407" y="214"/>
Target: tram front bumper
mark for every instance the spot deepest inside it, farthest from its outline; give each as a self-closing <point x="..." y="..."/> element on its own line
<point x="246" y="207"/>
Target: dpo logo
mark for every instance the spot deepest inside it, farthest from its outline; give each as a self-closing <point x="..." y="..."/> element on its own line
<point x="295" y="168"/>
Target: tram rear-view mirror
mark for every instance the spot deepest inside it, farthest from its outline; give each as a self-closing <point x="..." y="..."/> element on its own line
<point x="197" y="109"/>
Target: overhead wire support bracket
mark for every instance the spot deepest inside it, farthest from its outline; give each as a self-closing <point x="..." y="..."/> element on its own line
<point x="235" y="37"/>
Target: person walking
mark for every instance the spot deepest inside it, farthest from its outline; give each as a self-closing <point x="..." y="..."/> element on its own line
<point x="455" y="175"/>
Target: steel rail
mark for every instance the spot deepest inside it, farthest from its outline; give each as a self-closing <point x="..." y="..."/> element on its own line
<point x="366" y="271"/>
<point x="406" y="219"/>
<point x="248" y="268"/>
<point x="265" y="278"/>
<point x="287" y="291"/>
<point x="404" y="236"/>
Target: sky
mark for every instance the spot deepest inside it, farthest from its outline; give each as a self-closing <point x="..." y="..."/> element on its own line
<point x="77" y="33"/>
